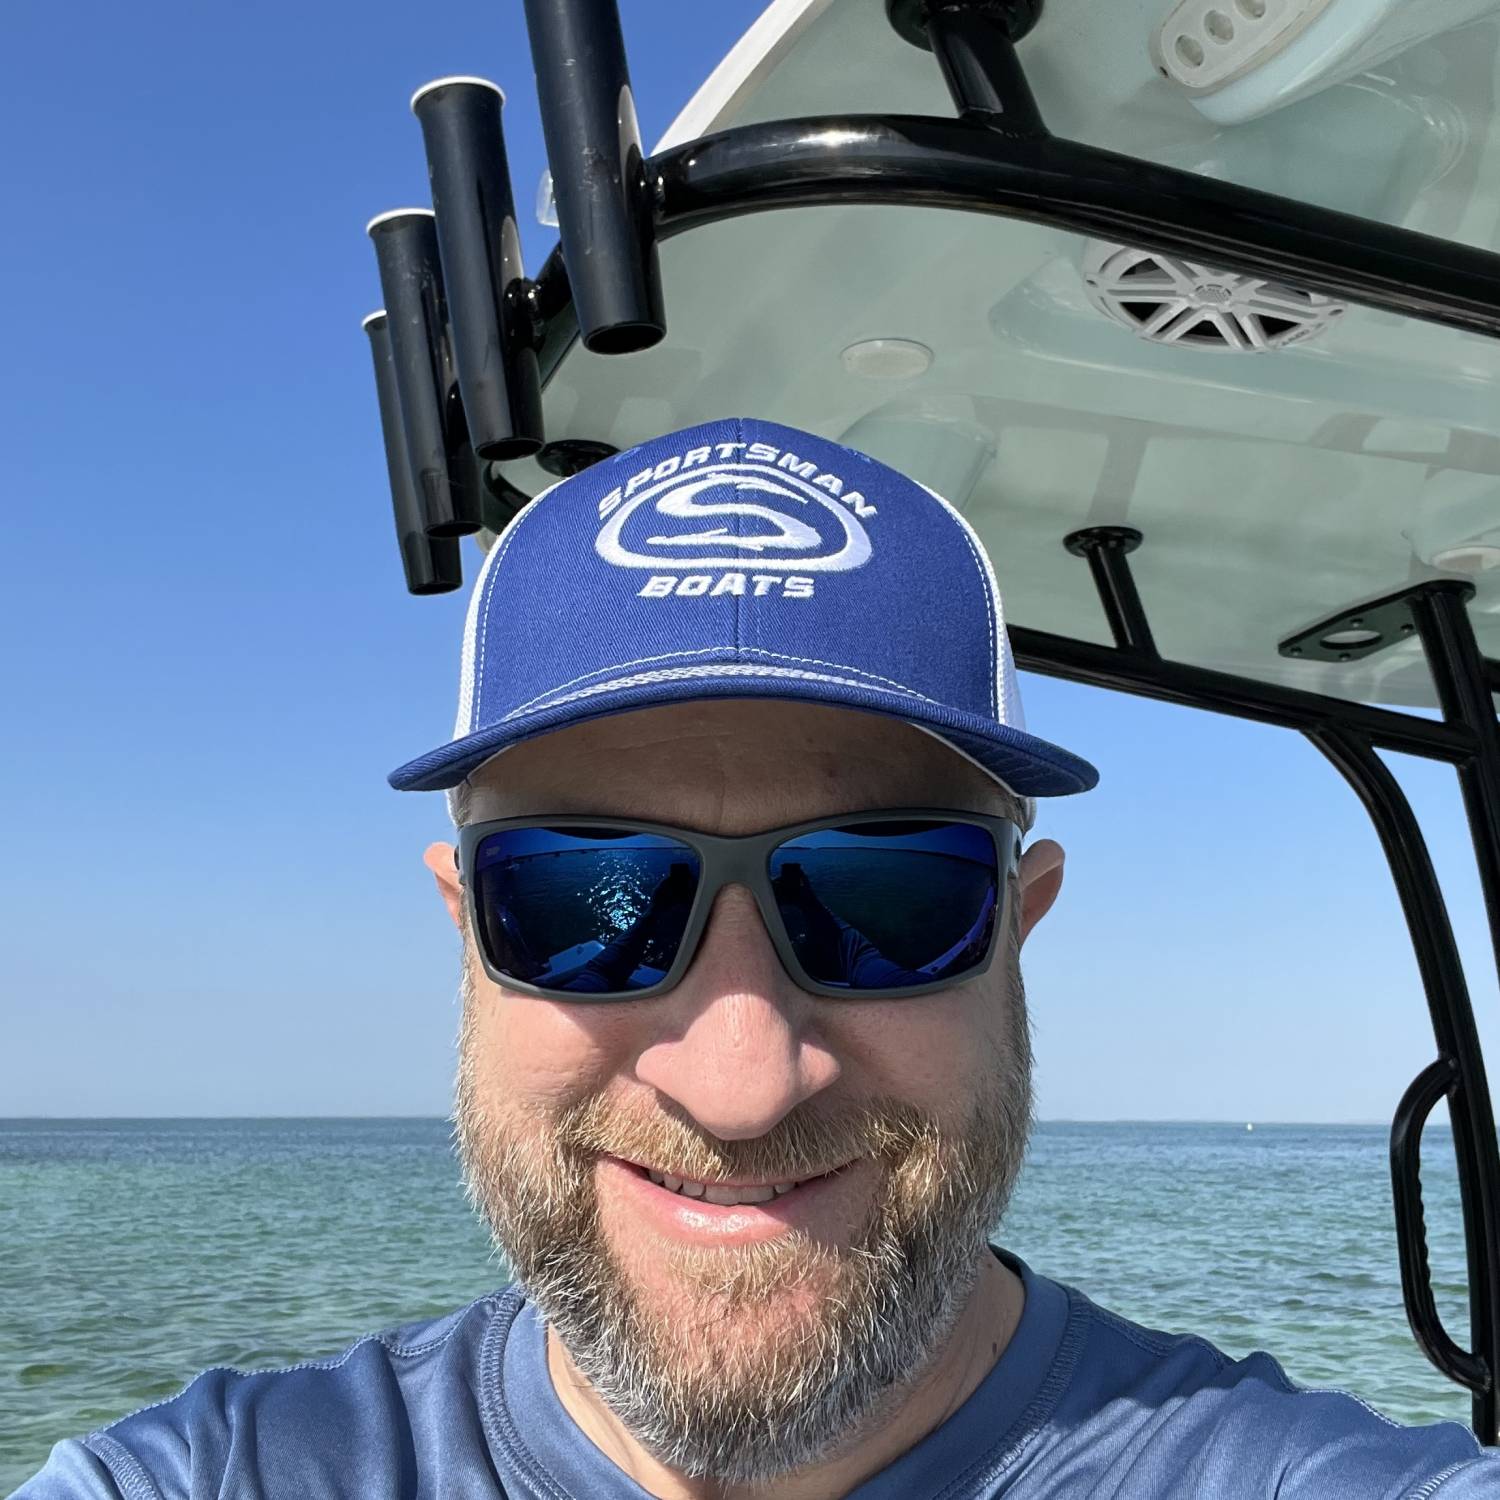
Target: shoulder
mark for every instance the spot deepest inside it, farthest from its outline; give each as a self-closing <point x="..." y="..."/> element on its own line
<point x="1159" y="1414"/>
<point x="363" y="1422"/>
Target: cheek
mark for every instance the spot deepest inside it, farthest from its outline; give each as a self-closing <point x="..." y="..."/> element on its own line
<point x="935" y="1051"/>
<point x="545" y="1055"/>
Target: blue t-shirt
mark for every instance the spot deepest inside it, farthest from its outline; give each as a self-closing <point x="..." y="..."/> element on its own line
<point x="1081" y="1404"/>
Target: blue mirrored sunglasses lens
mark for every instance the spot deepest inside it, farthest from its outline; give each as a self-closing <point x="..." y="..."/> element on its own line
<point x="595" y="910"/>
<point x="890" y="905"/>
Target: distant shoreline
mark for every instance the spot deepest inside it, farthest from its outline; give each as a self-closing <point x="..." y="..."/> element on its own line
<point x="1237" y="1121"/>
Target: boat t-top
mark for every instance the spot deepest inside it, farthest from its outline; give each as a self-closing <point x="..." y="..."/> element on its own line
<point x="1189" y="308"/>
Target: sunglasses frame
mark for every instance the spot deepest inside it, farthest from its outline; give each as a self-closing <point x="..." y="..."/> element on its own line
<point x="744" y="860"/>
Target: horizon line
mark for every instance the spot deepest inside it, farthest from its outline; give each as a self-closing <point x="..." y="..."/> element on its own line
<point x="1051" y="1120"/>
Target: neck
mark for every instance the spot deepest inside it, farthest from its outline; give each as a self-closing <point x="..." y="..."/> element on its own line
<point x="980" y="1336"/>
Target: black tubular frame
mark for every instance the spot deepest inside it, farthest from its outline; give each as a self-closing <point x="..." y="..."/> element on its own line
<point x="1349" y="737"/>
<point x="997" y="157"/>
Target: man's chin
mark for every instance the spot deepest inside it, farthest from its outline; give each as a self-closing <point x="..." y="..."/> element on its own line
<point x="700" y="1343"/>
<point x="752" y="1360"/>
<point x="733" y="1331"/>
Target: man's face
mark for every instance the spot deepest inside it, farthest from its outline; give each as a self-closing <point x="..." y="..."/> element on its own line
<point x="743" y="1345"/>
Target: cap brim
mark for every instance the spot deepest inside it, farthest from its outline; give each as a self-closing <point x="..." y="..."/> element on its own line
<point x="1029" y="766"/>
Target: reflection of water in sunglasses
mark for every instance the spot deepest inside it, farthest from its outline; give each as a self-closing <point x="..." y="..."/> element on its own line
<point x="914" y="897"/>
<point x="573" y="902"/>
<point x="912" y="905"/>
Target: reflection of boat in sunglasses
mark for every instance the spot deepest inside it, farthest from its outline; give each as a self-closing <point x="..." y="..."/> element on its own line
<point x="638" y="922"/>
<point x="1269" y="274"/>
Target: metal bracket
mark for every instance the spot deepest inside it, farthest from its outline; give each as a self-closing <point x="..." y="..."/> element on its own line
<point x="909" y="17"/>
<point x="566" y="457"/>
<point x="1353" y="634"/>
<point x="500" y="501"/>
<point x="569" y="456"/>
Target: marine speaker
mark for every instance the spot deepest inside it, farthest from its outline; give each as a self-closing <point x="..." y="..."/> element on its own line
<point x="1166" y="300"/>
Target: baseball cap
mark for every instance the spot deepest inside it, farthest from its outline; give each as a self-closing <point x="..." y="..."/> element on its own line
<point x="741" y="559"/>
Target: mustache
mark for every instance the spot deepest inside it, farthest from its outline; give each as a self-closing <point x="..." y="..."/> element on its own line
<point x="805" y="1143"/>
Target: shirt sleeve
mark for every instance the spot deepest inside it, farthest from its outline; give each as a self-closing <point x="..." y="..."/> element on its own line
<point x="73" y="1472"/>
<point x="1479" y="1477"/>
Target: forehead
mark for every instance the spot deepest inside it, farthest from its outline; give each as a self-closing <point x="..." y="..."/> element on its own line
<point x="730" y="766"/>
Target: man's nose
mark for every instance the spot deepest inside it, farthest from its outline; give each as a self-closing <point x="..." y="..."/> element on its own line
<point x="738" y="1045"/>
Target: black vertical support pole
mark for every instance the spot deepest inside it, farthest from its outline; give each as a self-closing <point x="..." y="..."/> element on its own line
<point x="605" y="213"/>
<point x="1459" y="673"/>
<point x="431" y="563"/>
<point x="1461" y="1070"/>
<point x="483" y="276"/>
<point x="1105" y="548"/>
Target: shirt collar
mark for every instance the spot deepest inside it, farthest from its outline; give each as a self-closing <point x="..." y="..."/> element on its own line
<point x="545" y="1449"/>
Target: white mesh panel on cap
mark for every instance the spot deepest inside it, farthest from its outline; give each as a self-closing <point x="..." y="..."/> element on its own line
<point x="467" y="687"/>
<point x="464" y="722"/>
<point x="468" y="695"/>
<point x="1010" y="684"/>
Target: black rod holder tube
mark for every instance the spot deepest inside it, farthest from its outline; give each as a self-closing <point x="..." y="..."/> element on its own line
<point x="1466" y="1083"/>
<point x="483" y="276"/>
<point x="431" y="564"/>
<point x="604" y="210"/>
<point x="956" y="164"/>
<point x="972" y="43"/>
<point x="1106" y="549"/>
<point x="432" y="417"/>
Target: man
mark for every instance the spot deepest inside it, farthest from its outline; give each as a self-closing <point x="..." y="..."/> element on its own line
<point x="745" y="1074"/>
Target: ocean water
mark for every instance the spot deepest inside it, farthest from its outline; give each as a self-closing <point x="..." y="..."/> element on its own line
<point x="136" y="1253"/>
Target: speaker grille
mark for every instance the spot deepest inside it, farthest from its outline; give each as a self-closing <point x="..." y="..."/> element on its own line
<point x="1171" y="301"/>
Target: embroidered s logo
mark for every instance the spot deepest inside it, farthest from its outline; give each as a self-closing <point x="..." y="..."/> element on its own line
<point x="749" y="513"/>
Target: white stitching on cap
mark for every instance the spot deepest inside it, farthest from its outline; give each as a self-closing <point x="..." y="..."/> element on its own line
<point x="684" y="674"/>
<point x="641" y="661"/>
<point x="464" y="719"/>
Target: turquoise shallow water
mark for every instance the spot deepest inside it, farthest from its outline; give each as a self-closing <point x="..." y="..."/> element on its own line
<point x="138" y="1252"/>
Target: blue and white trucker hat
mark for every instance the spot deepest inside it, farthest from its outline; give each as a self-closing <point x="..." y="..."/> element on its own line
<point x="741" y="559"/>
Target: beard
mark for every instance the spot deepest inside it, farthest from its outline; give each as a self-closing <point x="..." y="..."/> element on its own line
<point x="771" y="1356"/>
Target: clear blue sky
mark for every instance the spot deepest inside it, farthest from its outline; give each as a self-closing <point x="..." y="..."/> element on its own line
<point x="213" y="903"/>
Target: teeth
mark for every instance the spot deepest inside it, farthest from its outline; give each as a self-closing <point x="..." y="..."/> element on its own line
<point x="730" y="1196"/>
<point x="724" y="1196"/>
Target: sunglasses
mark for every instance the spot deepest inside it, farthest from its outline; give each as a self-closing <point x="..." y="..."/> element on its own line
<point x="891" y="903"/>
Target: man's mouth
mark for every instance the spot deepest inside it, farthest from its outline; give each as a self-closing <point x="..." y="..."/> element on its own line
<point x="727" y="1194"/>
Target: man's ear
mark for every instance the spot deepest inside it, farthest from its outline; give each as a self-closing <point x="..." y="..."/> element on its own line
<point x="439" y="858"/>
<point x="1040" y="875"/>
